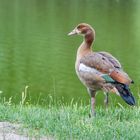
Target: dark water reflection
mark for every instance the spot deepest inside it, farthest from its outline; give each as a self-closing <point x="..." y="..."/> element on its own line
<point x="36" y="51"/>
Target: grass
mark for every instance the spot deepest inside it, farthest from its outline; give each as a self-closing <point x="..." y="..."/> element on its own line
<point x="57" y="120"/>
<point x="60" y="121"/>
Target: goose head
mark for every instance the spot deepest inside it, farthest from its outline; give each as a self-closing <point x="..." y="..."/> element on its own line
<point x="82" y="29"/>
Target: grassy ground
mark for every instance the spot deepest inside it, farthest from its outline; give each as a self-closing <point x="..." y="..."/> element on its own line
<point x="72" y="122"/>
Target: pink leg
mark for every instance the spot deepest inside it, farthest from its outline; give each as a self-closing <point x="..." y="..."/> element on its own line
<point x="106" y="100"/>
<point x="92" y="94"/>
<point x="93" y="106"/>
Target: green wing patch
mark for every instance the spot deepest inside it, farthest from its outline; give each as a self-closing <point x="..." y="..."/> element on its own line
<point x="108" y="78"/>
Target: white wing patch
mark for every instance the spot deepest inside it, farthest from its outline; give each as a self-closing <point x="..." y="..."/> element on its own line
<point x="84" y="68"/>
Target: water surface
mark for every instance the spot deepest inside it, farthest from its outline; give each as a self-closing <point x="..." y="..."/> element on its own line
<point x="36" y="51"/>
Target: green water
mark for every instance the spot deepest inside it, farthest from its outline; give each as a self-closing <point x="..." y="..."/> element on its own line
<point x="36" y="51"/>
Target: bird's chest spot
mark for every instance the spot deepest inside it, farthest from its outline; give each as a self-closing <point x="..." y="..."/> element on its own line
<point x="87" y="69"/>
<point x="87" y="74"/>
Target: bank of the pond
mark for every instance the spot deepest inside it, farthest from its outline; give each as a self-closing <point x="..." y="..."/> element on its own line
<point x="72" y="122"/>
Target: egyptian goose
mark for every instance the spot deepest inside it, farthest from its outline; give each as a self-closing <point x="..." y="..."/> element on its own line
<point x="100" y="70"/>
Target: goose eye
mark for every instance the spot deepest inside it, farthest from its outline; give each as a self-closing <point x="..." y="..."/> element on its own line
<point x="80" y="27"/>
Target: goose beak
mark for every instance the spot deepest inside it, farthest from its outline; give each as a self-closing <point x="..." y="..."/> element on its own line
<point x="74" y="32"/>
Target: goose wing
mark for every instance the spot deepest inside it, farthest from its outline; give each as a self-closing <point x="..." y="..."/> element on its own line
<point x="106" y="64"/>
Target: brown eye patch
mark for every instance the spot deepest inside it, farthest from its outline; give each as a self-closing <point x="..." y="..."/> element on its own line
<point x="80" y="26"/>
<point x="84" y="30"/>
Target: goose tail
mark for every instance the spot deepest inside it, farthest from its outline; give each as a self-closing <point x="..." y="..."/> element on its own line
<point x="125" y="93"/>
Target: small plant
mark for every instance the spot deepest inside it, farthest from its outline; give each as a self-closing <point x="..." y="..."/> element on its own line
<point x="9" y="102"/>
<point x="24" y="95"/>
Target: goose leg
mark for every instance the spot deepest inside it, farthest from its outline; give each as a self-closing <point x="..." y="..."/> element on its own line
<point x="92" y="95"/>
<point x="106" y="99"/>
